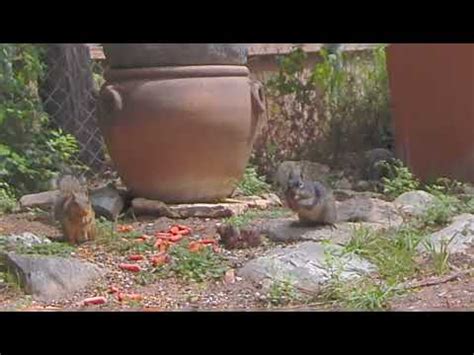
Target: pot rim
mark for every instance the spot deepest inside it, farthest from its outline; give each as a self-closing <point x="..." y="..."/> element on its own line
<point x="194" y="71"/>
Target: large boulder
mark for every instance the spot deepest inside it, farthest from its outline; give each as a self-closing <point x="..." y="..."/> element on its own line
<point x="50" y="278"/>
<point x="307" y="266"/>
<point x="415" y="203"/>
<point x="458" y="236"/>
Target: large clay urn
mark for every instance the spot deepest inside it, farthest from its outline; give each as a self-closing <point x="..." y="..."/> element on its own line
<point x="180" y="133"/>
<point x="432" y="87"/>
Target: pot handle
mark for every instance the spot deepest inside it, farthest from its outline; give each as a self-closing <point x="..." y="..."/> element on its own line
<point x="111" y="101"/>
<point x="258" y="107"/>
<point x="258" y="96"/>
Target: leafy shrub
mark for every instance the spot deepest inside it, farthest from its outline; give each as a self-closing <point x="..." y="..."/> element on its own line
<point x="401" y="179"/>
<point x="31" y="149"/>
<point x="252" y="183"/>
<point x="340" y="105"/>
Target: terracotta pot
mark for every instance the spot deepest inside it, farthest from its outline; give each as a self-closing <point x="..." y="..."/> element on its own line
<point x="431" y="89"/>
<point x="144" y="55"/>
<point x="180" y="134"/>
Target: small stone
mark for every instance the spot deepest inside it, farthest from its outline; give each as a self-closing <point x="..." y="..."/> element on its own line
<point x="42" y="200"/>
<point x="363" y="185"/>
<point x="229" y="277"/>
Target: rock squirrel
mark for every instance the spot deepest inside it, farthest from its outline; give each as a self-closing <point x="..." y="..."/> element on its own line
<point x="311" y="200"/>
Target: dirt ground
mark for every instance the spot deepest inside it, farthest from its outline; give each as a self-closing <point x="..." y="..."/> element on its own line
<point x="165" y="294"/>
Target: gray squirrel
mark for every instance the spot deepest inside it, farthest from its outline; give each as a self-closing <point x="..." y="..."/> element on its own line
<point x="311" y="200"/>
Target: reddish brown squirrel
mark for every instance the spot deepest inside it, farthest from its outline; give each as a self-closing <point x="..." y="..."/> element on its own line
<point x="73" y="210"/>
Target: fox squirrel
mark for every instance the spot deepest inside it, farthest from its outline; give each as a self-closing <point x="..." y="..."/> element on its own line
<point x="311" y="200"/>
<point x="73" y="210"/>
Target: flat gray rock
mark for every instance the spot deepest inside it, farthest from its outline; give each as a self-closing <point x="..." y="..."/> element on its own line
<point x="344" y="194"/>
<point x="289" y="230"/>
<point x="50" y="278"/>
<point x="43" y="200"/>
<point x="462" y="232"/>
<point x="142" y="206"/>
<point x="414" y="203"/>
<point x="367" y="209"/>
<point x="307" y="265"/>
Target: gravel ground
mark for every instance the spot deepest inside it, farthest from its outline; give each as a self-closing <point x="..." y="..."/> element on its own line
<point x="169" y="294"/>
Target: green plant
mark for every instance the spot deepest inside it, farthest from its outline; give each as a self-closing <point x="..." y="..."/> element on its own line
<point x="439" y="258"/>
<point x="144" y="278"/>
<point x="53" y="248"/>
<point x="198" y="266"/>
<point x="400" y="181"/>
<point x="252" y="183"/>
<point x="282" y="293"/>
<point x="393" y="251"/>
<point x="361" y="294"/>
<point x="7" y="198"/>
<point x="339" y="105"/>
<point x="442" y="211"/>
<point x="30" y="148"/>
<point x="10" y="280"/>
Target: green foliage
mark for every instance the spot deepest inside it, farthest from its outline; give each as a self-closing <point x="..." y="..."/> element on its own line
<point x="53" y="248"/>
<point x="340" y="105"/>
<point x="282" y="293"/>
<point x="444" y="186"/>
<point x="362" y="294"/>
<point x="252" y="183"/>
<point x="7" y="198"/>
<point x="198" y="266"/>
<point x="393" y="251"/>
<point x="439" y="258"/>
<point x="400" y="181"/>
<point x="30" y="149"/>
<point x="443" y="210"/>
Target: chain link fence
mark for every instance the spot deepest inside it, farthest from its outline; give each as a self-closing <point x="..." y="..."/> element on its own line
<point x="69" y="93"/>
